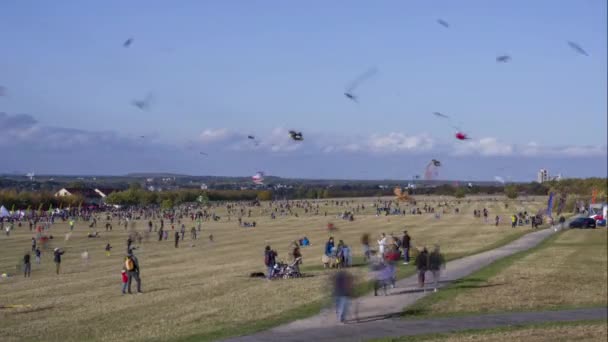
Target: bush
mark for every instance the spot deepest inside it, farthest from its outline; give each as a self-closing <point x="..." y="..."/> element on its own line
<point x="511" y="191"/>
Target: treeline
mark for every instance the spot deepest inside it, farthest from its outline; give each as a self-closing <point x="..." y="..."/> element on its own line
<point x="12" y="199"/>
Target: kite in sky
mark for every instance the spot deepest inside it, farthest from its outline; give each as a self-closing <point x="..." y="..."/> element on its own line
<point x="577" y="48"/>
<point x="255" y="141"/>
<point x="143" y="104"/>
<point x="297" y="136"/>
<point x="432" y="169"/>
<point x="258" y="178"/>
<point x="462" y="136"/>
<point x="354" y="84"/>
<point x="443" y="23"/>
<point x="503" y="59"/>
<point x="203" y="154"/>
<point x="127" y="42"/>
<point x="440" y="115"/>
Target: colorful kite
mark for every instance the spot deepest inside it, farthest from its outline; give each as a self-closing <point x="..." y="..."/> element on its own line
<point x="432" y="169"/>
<point x="258" y="178"/>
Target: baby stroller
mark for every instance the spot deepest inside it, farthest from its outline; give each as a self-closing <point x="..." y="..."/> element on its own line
<point x="287" y="271"/>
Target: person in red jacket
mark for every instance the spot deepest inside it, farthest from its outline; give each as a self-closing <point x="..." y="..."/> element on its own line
<point x="125" y="279"/>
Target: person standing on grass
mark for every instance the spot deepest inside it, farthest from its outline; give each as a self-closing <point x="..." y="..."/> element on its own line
<point x="405" y="245"/>
<point x="38" y="255"/>
<point x="329" y="246"/>
<point x="176" y="239"/>
<point x="132" y="267"/>
<point x="436" y="263"/>
<point x="270" y="260"/>
<point x="57" y="253"/>
<point x="125" y="280"/>
<point x="382" y="245"/>
<point x="422" y="265"/>
<point x="33" y="244"/>
<point x="27" y="266"/>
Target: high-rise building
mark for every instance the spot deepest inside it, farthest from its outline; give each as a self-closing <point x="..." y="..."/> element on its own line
<point x="542" y="175"/>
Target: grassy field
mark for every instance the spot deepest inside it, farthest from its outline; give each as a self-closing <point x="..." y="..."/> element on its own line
<point x="567" y="270"/>
<point x="554" y="332"/>
<point x="204" y="290"/>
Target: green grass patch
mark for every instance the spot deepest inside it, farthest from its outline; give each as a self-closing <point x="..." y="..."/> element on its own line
<point x="475" y="280"/>
<point x="511" y="328"/>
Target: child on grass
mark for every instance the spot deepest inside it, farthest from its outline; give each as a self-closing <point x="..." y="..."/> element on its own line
<point x="125" y="279"/>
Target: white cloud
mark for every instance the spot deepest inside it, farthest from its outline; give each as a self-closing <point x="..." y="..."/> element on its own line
<point x="484" y="146"/>
<point x="399" y="142"/>
<point x="209" y="136"/>
<point x="533" y="149"/>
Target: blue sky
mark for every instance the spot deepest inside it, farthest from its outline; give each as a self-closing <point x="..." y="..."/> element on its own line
<point x="219" y="70"/>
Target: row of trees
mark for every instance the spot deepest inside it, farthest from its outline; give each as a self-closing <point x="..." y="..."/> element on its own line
<point x="37" y="199"/>
<point x="136" y="195"/>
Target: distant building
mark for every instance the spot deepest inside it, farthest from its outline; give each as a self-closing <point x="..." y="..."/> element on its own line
<point x="542" y="176"/>
<point x="96" y="196"/>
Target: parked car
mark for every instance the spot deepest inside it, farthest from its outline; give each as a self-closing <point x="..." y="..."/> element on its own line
<point x="583" y="222"/>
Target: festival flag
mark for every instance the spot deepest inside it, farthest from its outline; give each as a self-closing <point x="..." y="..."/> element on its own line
<point x="13" y="209"/>
<point x="593" y="196"/>
<point x="50" y="208"/>
<point x="40" y="209"/>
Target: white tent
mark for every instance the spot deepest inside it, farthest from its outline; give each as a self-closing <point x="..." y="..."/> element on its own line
<point x="4" y="212"/>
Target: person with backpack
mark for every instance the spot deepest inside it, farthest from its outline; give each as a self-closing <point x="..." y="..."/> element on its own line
<point x="405" y="245"/>
<point x="132" y="267"/>
<point x="270" y="260"/>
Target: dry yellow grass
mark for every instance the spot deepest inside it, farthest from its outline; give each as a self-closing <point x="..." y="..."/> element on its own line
<point x="569" y="271"/>
<point x="588" y="332"/>
<point x="205" y="288"/>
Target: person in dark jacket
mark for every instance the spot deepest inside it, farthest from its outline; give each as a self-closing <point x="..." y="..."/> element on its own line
<point x="270" y="260"/>
<point x="436" y="263"/>
<point x="57" y="253"/>
<point x="27" y="266"/>
<point x="422" y="265"/>
<point x="329" y="246"/>
<point x="405" y="245"/>
<point x="176" y="239"/>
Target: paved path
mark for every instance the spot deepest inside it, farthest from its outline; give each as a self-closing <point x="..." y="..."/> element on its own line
<point x="402" y="327"/>
<point x="405" y="294"/>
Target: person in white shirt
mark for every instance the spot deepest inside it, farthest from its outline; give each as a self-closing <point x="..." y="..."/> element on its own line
<point x="382" y="245"/>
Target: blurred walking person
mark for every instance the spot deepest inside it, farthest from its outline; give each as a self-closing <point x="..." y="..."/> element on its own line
<point x="343" y="288"/>
<point x="422" y="265"/>
<point x="436" y="264"/>
<point x="405" y="245"/>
